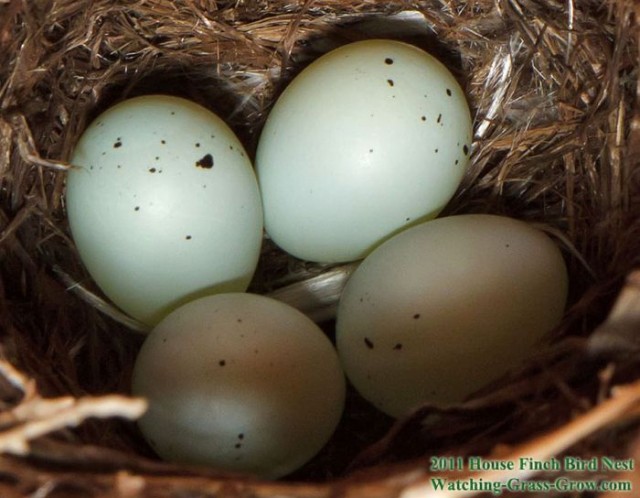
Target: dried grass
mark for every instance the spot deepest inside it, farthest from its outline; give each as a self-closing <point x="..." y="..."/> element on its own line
<point x="555" y="92"/>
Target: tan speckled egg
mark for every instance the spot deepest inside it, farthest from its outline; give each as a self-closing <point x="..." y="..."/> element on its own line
<point x="164" y="205"/>
<point x="241" y="382"/>
<point x="440" y="310"/>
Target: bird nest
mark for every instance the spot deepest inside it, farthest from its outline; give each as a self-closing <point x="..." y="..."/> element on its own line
<point x="553" y="88"/>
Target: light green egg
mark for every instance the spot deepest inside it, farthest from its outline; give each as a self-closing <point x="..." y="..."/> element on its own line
<point x="163" y="205"/>
<point x="369" y="139"/>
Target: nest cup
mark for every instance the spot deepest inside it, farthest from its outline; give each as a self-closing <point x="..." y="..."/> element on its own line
<point x="553" y="91"/>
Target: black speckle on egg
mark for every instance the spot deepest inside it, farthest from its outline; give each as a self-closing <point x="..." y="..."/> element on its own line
<point x="465" y="149"/>
<point x="416" y="316"/>
<point x="164" y="340"/>
<point x="397" y="347"/>
<point x="230" y="147"/>
<point x="439" y="118"/>
<point x="436" y="151"/>
<point x="423" y="118"/>
<point x="239" y="320"/>
<point x="137" y="208"/>
<point x="157" y="158"/>
<point x="152" y="170"/>
<point x="173" y="113"/>
<point x="370" y="151"/>
<point x="197" y="144"/>
<point x="241" y="436"/>
<point x="449" y="92"/>
<point x="119" y="166"/>
<point x="368" y="343"/>
<point x="117" y="144"/>
<point x="188" y="237"/>
<point x="390" y="82"/>
<point x="407" y="219"/>
<point x="222" y="363"/>
<point x="163" y="142"/>
<point x="507" y="245"/>
<point x="457" y="161"/>
<point x="103" y="154"/>
<point x="238" y="445"/>
<point x="205" y="162"/>
<point x="91" y="167"/>
<point x="388" y="61"/>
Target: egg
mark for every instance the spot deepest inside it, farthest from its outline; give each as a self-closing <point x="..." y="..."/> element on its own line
<point x="163" y="205"/>
<point x="367" y="140"/>
<point x="444" y="308"/>
<point x="241" y="382"/>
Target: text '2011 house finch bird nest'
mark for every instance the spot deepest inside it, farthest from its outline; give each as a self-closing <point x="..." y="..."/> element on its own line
<point x="553" y="91"/>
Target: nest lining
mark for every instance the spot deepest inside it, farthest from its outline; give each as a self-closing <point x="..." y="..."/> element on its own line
<point x="552" y="86"/>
